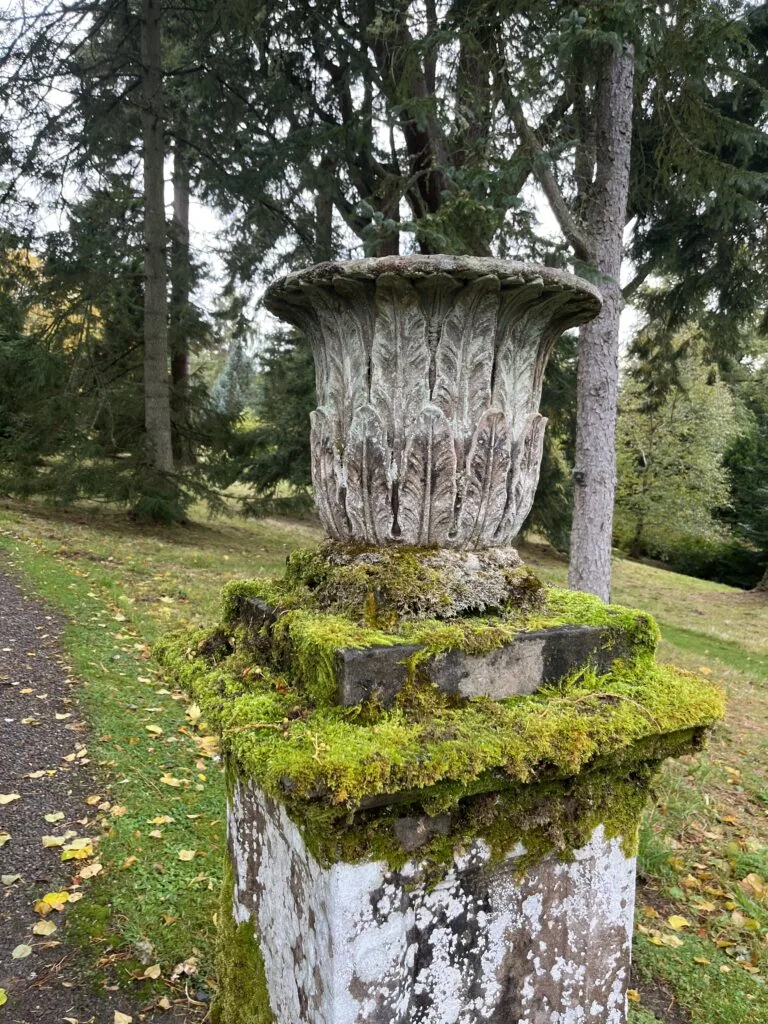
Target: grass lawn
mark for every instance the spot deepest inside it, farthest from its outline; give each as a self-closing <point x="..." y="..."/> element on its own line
<point x="704" y="845"/>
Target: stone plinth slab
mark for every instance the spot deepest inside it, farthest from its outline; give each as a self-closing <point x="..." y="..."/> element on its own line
<point x="524" y="665"/>
<point x="530" y="661"/>
<point x="363" y="944"/>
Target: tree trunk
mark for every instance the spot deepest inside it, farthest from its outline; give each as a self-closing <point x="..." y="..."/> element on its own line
<point x="598" y="368"/>
<point x="762" y="586"/>
<point x="157" y="406"/>
<point x="181" y="284"/>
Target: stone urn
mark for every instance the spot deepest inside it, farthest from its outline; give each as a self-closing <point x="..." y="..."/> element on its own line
<point x="429" y="374"/>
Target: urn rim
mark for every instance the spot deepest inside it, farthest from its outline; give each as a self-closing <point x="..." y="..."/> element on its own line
<point x="417" y="267"/>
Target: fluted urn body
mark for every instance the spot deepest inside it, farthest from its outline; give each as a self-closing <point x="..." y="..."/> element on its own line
<point x="429" y="374"/>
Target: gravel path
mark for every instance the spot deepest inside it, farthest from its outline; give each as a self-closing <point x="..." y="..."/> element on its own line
<point x="44" y="759"/>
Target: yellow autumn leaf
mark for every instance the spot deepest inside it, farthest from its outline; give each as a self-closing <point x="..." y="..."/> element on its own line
<point x="161" y="819"/>
<point x="671" y="940"/>
<point x="187" y="854"/>
<point x="118" y="810"/>
<point x="4" y="838"/>
<point x="156" y="833"/>
<point x="193" y="713"/>
<point x="155" y="730"/>
<point x="9" y="879"/>
<point x="153" y="972"/>
<point x="677" y="923"/>
<point x="44" y="928"/>
<point x="8" y="798"/>
<point x="54" y="816"/>
<point x="122" y="1018"/>
<point x="51" y="841"/>
<point x="21" y="951"/>
<point x="701" y="960"/>
<point x="633" y="995"/>
<point x="169" y="780"/>
<point x="91" y="870"/>
<point x="92" y="800"/>
<point x="3" y="997"/>
<point x="78" y="853"/>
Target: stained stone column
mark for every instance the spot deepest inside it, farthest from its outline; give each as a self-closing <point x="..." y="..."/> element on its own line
<point x="436" y="764"/>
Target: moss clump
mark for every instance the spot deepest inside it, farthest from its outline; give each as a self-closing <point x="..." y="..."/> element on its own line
<point x="383" y="586"/>
<point x="306" y="628"/>
<point x="242" y="997"/>
<point x="341" y="757"/>
<point x="556" y="762"/>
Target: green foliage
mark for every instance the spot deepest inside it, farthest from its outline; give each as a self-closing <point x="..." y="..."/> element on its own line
<point x="747" y="457"/>
<point x="276" y="450"/>
<point x="670" y="461"/>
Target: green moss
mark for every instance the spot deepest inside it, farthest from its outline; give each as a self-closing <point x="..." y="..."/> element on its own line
<point x="307" y="642"/>
<point x="583" y="751"/>
<point x="341" y="757"/>
<point x="242" y="997"/>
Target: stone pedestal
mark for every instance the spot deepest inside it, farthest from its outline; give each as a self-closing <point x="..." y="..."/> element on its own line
<point x="437" y="766"/>
<point x="425" y="855"/>
<point x="482" y="940"/>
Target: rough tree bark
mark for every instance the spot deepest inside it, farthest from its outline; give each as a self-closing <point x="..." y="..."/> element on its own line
<point x="181" y="283"/>
<point x="762" y="586"/>
<point x="598" y="367"/>
<point x="593" y="224"/>
<point x="157" y="406"/>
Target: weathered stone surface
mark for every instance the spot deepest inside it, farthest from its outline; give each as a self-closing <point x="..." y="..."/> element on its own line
<point x="361" y="944"/>
<point x="429" y="372"/>
<point x="531" y="661"/>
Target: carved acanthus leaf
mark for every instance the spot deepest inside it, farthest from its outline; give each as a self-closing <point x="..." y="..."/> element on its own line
<point x="369" y="489"/>
<point x="344" y="388"/>
<point x="464" y="357"/>
<point x="526" y="324"/>
<point x="523" y="478"/>
<point x="427" y="491"/>
<point x="327" y="476"/>
<point x="399" y="360"/>
<point x="485" y="488"/>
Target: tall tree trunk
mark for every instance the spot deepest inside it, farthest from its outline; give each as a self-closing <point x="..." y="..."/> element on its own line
<point x="157" y="406"/>
<point x="762" y="586"/>
<point x="598" y="368"/>
<point x="181" y="285"/>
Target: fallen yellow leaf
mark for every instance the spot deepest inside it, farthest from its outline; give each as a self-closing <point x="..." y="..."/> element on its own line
<point x="169" y="780"/>
<point x="77" y="853"/>
<point x="633" y="995"/>
<point x="9" y="879"/>
<point x="54" y="816"/>
<point x="154" y="729"/>
<point x="49" y="841"/>
<point x="677" y="923"/>
<point x="44" y="928"/>
<point x="187" y="854"/>
<point x="701" y="960"/>
<point x="90" y="870"/>
<point x="21" y="951"/>
<point x="153" y="972"/>
<point x="8" y="798"/>
<point x="4" y="997"/>
<point x="122" y="1018"/>
<point x="161" y="819"/>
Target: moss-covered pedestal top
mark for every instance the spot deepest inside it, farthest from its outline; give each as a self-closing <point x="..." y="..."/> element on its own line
<point x="269" y="689"/>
